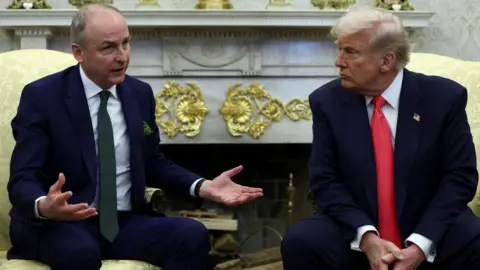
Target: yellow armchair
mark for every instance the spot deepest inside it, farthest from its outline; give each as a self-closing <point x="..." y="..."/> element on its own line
<point x="466" y="73"/>
<point x="18" y="68"/>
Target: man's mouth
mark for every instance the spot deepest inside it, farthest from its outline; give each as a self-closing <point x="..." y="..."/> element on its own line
<point x="118" y="70"/>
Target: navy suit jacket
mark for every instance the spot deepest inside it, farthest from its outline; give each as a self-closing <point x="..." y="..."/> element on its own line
<point x="435" y="170"/>
<point x="53" y="133"/>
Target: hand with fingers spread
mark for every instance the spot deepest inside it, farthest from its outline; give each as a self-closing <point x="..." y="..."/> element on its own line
<point x="55" y="206"/>
<point x="376" y="248"/>
<point x="223" y="190"/>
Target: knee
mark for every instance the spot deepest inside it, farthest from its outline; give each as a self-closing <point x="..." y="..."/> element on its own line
<point x="193" y="235"/>
<point x="296" y="241"/>
<point x="80" y="253"/>
<point x="313" y="235"/>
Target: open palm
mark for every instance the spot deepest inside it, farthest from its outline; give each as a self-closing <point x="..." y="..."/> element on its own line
<point x="223" y="190"/>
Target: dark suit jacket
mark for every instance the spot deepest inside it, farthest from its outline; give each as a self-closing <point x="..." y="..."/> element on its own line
<point x="53" y="133"/>
<point x="435" y="162"/>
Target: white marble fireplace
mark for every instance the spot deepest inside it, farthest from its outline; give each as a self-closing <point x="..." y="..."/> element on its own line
<point x="214" y="63"/>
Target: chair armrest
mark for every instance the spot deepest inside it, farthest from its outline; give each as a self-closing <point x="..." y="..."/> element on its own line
<point x="475" y="204"/>
<point x="156" y="199"/>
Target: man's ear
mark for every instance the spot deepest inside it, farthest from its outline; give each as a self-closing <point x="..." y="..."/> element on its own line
<point x="77" y="52"/>
<point x="389" y="61"/>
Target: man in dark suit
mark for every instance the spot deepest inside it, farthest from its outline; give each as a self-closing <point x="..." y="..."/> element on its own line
<point x="393" y="163"/>
<point x="86" y="147"/>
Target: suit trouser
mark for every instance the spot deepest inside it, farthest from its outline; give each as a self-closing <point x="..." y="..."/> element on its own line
<point x="173" y="243"/>
<point x="317" y="243"/>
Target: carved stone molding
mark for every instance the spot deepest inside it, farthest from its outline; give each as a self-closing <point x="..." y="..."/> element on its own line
<point x="33" y="38"/>
<point x="211" y="56"/>
<point x="252" y="109"/>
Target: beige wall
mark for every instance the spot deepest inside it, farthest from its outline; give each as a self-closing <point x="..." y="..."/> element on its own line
<point x="455" y="29"/>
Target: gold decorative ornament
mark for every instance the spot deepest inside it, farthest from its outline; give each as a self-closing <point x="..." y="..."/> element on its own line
<point x="29" y="4"/>
<point x="82" y="3"/>
<point x="290" y="191"/>
<point x="278" y="4"/>
<point x="332" y="4"/>
<point x="213" y="4"/>
<point x="394" y="4"/>
<point x="148" y="3"/>
<point x="184" y="106"/>
<point x="252" y="109"/>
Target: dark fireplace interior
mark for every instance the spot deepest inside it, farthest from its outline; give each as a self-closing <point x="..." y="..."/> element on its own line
<point x="267" y="166"/>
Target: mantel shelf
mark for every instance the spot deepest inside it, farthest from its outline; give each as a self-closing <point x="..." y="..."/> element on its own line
<point x="203" y="18"/>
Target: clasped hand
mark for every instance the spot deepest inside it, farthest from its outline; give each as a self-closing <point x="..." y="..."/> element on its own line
<point x="382" y="253"/>
<point x="55" y="206"/>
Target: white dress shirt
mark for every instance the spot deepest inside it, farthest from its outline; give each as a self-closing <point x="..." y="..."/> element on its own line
<point x="121" y="142"/>
<point x="390" y="110"/>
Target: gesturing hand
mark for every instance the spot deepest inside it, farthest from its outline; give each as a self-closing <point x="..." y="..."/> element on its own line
<point x="376" y="248"/>
<point x="55" y="206"/>
<point x="223" y="190"/>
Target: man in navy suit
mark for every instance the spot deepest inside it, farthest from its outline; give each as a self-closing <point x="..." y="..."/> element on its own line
<point x="393" y="163"/>
<point x="86" y="147"/>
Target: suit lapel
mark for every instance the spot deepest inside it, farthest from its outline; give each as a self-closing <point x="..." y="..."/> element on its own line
<point x="361" y="140"/>
<point x="77" y="106"/>
<point x="133" y="120"/>
<point x="407" y="136"/>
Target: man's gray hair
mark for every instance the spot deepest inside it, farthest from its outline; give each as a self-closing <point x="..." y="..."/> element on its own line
<point x="80" y="19"/>
<point x="389" y="35"/>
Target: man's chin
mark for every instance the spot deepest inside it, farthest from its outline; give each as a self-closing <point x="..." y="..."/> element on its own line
<point x="347" y="84"/>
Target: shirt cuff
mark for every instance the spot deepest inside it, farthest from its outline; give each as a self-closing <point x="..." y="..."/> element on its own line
<point x="192" y="187"/>
<point x="355" y="244"/>
<point x="425" y="244"/>
<point x="37" y="213"/>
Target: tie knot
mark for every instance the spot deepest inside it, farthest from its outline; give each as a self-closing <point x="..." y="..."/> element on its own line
<point x="378" y="101"/>
<point x="104" y="95"/>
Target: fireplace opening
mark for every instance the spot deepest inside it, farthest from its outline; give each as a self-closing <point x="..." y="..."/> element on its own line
<point x="272" y="167"/>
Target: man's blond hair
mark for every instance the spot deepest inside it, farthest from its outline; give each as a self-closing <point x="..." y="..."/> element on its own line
<point x="388" y="33"/>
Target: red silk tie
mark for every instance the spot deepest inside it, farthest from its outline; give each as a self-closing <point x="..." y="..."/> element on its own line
<point x="383" y="148"/>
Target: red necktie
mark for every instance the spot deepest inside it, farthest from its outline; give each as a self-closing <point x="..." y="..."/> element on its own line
<point x="382" y="145"/>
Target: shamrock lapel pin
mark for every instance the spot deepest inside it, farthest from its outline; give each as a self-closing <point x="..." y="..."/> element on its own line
<point x="147" y="130"/>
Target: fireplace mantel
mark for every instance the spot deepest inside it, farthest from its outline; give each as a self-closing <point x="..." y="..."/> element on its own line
<point x="205" y="18"/>
<point x="207" y="59"/>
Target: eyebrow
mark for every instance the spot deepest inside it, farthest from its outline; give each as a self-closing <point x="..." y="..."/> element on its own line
<point x="111" y="42"/>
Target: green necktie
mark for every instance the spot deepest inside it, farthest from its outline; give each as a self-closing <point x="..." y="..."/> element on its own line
<point x="107" y="172"/>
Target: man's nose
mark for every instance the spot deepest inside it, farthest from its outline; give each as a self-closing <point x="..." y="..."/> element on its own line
<point x="340" y="63"/>
<point x="121" y="56"/>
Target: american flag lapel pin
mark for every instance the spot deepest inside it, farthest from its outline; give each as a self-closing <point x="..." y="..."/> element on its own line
<point x="416" y="117"/>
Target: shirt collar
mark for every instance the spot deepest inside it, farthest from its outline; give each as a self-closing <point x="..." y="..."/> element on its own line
<point x="91" y="89"/>
<point x="392" y="93"/>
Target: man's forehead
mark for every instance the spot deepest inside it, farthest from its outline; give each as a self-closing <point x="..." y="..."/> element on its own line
<point x="114" y="31"/>
<point x="354" y="40"/>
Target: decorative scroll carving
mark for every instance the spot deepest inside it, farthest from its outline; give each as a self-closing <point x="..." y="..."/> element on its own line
<point x="394" y="4"/>
<point x="29" y="4"/>
<point x="252" y="109"/>
<point x="332" y="4"/>
<point x="184" y="106"/>
<point x="81" y="3"/>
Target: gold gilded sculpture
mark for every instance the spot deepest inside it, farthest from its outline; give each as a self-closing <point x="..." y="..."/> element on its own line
<point x="278" y="4"/>
<point x="332" y="4"/>
<point x="188" y="110"/>
<point x="252" y="109"/>
<point x="81" y="3"/>
<point x="213" y="4"/>
<point x="148" y="3"/>
<point x="29" y="4"/>
<point x="394" y="4"/>
<point x="291" y="191"/>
